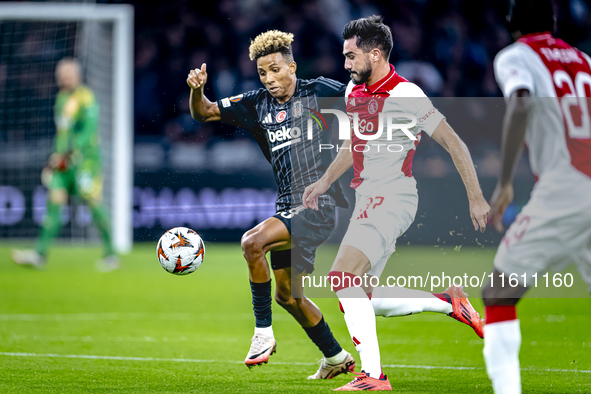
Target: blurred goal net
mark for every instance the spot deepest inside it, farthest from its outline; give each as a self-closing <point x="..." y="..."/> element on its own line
<point x="33" y="38"/>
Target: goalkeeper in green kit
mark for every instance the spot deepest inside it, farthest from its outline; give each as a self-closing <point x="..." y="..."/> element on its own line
<point x="75" y="166"/>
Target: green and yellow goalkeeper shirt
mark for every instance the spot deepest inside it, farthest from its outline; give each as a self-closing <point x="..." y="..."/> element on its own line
<point x="76" y="121"/>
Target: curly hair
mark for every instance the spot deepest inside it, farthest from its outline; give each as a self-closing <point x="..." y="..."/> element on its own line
<point x="269" y="42"/>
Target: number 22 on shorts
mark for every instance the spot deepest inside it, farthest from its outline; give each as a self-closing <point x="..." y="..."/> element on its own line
<point x="372" y="203"/>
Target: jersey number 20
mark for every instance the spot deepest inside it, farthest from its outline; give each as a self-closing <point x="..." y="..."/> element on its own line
<point x="574" y="103"/>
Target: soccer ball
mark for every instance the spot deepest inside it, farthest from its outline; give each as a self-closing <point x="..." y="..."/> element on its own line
<point x="180" y="251"/>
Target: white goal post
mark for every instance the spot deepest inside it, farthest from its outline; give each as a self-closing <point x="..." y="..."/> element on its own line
<point x="121" y="169"/>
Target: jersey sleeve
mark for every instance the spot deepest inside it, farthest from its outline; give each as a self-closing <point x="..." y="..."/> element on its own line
<point x="512" y="72"/>
<point x="411" y="99"/>
<point x="240" y="110"/>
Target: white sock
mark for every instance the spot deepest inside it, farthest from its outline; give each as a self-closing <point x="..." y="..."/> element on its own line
<point x="361" y="322"/>
<point x="400" y="301"/>
<point x="337" y="358"/>
<point x="502" y="341"/>
<point x="267" y="331"/>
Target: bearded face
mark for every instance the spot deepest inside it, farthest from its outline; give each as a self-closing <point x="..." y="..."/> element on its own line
<point x="361" y="74"/>
<point x="356" y="62"/>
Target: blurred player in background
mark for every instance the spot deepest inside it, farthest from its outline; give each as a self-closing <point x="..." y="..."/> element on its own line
<point x="74" y="168"/>
<point x="293" y="234"/>
<point x="386" y="195"/>
<point x="546" y="83"/>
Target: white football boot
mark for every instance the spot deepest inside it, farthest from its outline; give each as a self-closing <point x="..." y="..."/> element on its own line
<point x="28" y="258"/>
<point x="329" y="371"/>
<point x="261" y="349"/>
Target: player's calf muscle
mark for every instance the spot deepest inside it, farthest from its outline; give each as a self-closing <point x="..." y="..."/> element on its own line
<point x="284" y="298"/>
<point x="304" y="311"/>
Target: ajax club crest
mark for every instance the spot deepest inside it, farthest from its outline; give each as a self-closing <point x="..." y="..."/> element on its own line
<point x="372" y="107"/>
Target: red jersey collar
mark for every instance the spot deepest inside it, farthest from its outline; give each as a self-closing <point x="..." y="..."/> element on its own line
<point x="377" y="85"/>
<point x="535" y="37"/>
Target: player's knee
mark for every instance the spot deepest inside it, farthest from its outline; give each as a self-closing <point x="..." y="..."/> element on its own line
<point x="58" y="196"/>
<point x="251" y="245"/>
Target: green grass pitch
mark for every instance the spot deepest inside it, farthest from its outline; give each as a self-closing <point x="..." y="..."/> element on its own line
<point x="69" y="329"/>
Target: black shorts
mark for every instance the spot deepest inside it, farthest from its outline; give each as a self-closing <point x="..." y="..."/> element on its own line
<point x="308" y="229"/>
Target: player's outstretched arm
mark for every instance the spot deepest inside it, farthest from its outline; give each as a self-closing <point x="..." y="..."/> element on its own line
<point x="202" y="109"/>
<point x="340" y="164"/>
<point x="514" y="126"/>
<point x="458" y="151"/>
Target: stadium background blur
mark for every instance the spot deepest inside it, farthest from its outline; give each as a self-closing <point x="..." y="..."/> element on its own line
<point x="141" y="330"/>
<point x="201" y="175"/>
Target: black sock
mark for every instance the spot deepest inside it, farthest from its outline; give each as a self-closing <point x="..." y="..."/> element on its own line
<point x="261" y="303"/>
<point x="321" y="335"/>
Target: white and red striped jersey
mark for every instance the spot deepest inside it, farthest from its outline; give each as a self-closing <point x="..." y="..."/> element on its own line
<point x="379" y="162"/>
<point x="558" y="75"/>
